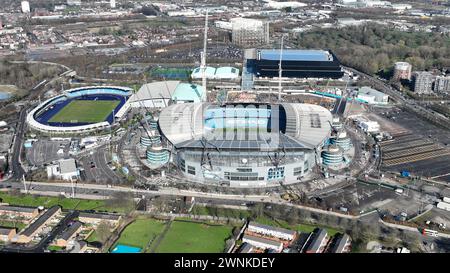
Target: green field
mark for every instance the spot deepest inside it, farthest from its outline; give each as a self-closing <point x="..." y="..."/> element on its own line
<point x="49" y="201"/>
<point x="193" y="237"/>
<point x="139" y="233"/>
<point x="90" y="111"/>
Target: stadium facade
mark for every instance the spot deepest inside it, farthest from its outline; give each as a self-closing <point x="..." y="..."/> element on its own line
<point x="45" y="118"/>
<point x="245" y="145"/>
<point x="295" y="63"/>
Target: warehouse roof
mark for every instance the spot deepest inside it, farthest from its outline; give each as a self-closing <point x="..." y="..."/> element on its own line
<point x="67" y="166"/>
<point x="370" y="91"/>
<point x="295" y="55"/>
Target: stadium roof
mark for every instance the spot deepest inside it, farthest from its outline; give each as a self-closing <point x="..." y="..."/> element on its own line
<point x="188" y="92"/>
<point x="295" y="55"/>
<point x="155" y="90"/>
<point x="227" y="72"/>
<point x="183" y="125"/>
<point x="210" y="72"/>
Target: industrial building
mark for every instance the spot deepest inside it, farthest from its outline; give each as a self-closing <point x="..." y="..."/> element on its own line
<point x="402" y="71"/>
<point x="64" y="169"/>
<point x="249" y="32"/>
<point x="372" y="96"/>
<point x="423" y="82"/>
<point x="294" y="63"/>
<point x="248" y="145"/>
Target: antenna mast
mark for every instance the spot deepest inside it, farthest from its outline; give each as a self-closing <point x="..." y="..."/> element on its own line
<point x="280" y="70"/>
<point x="203" y="60"/>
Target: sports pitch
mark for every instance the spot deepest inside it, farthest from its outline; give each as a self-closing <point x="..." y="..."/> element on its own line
<point x="85" y="111"/>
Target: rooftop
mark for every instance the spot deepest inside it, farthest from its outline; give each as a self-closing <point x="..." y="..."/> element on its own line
<point x="67" y="166"/>
<point x="40" y="221"/>
<point x="5" y="231"/>
<point x="306" y="125"/>
<point x="188" y="92"/>
<point x="295" y="55"/>
<point x="262" y="240"/>
<point x="18" y="209"/>
<point x="317" y="240"/>
<point x="277" y="229"/>
<point x="99" y="216"/>
<point x="155" y="90"/>
<point x="70" y="231"/>
<point x="341" y="243"/>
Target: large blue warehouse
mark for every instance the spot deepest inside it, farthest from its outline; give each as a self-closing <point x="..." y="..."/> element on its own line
<point x="295" y="63"/>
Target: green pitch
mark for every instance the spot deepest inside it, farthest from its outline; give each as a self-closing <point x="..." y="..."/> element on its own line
<point x="88" y="111"/>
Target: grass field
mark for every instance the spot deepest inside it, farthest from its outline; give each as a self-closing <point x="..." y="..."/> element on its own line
<point x="85" y="111"/>
<point x="140" y="232"/>
<point x="192" y="237"/>
<point x="49" y="201"/>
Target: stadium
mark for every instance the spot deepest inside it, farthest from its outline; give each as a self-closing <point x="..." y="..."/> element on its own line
<point x="245" y="145"/>
<point x="80" y="110"/>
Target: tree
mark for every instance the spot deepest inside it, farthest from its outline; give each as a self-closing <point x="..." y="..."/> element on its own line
<point x="103" y="231"/>
<point x="257" y="210"/>
<point x="122" y="200"/>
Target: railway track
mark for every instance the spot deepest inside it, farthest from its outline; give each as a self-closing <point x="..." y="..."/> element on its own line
<point x="412" y="151"/>
<point x="415" y="157"/>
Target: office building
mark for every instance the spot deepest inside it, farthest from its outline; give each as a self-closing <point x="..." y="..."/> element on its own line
<point x="249" y="32"/>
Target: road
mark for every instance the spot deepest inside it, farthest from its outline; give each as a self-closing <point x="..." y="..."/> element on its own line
<point x="409" y="104"/>
<point x="212" y="198"/>
<point x="16" y="166"/>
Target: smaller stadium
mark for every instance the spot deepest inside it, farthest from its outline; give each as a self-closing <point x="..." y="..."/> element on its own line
<point x="80" y="110"/>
